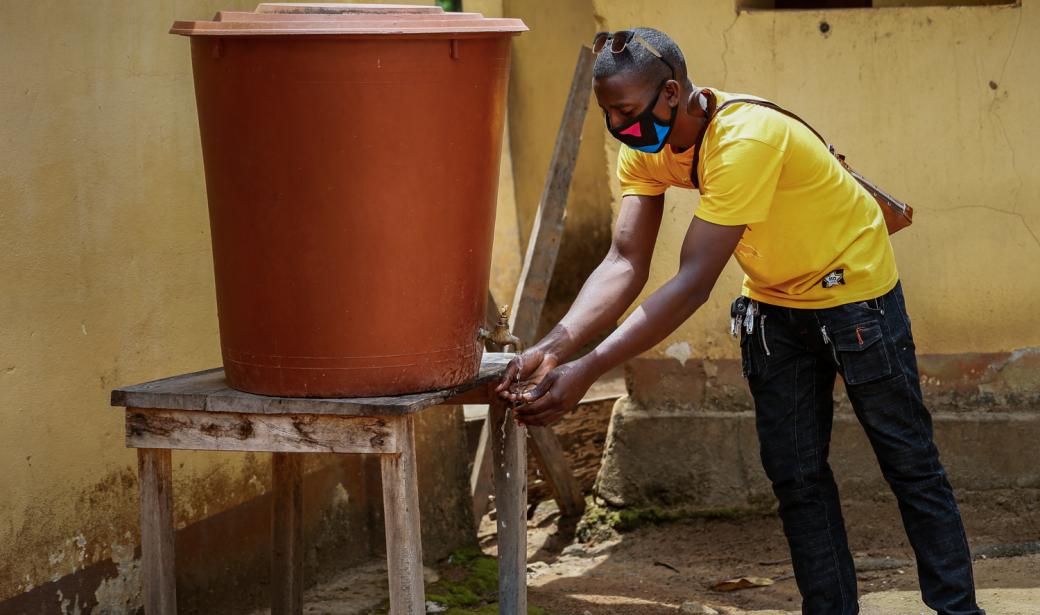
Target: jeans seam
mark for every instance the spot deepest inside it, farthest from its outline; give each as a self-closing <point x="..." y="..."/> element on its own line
<point x="834" y="556"/>
<point x="901" y="304"/>
<point x="890" y="340"/>
<point x="816" y="448"/>
<point x="827" y="515"/>
<point x="797" y="447"/>
<point x="826" y="511"/>
<point x="801" y="474"/>
<point x="951" y="500"/>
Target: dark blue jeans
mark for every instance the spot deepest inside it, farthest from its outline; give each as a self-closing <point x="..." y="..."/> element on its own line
<point x="791" y="359"/>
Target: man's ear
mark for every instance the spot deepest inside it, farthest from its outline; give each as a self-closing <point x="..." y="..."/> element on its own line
<point x="672" y="92"/>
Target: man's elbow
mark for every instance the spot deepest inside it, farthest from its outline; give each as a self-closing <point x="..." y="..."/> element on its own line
<point x="697" y="298"/>
<point x="695" y="292"/>
<point x="636" y="271"/>
<point x="640" y="277"/>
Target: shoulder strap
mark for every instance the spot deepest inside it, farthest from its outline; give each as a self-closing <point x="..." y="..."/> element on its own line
<point x="753" y="101"/>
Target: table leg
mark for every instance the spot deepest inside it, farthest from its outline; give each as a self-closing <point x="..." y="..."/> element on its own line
<point x="481" y="479"/>
<point x="286" y="534"/>
<point x="509" y="444"/>
<point x="155" y="480"/>
<point x="401" y="512"/>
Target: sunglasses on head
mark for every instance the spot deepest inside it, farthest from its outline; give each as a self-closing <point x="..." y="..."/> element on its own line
<point x="619" y="41"/>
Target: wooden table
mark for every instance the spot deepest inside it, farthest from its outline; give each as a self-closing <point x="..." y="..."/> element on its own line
<point x="198" y="411"/>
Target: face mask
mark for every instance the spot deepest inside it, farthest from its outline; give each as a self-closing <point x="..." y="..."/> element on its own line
<point x="645" y="132"/>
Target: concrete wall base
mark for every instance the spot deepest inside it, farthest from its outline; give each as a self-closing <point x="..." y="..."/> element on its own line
<point x="685" y="434"/>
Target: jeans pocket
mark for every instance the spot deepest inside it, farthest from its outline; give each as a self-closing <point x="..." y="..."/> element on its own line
<point x="870" y="306"/>
<point x="861" y="352"/>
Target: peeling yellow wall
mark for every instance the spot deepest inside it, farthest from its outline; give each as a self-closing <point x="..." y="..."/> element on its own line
<point x="543" y="65"/>
<point x="106" y="276"/>
<point x="508" y="254"/>
<point x="106" y="280"/>
<point x="936" y="104"/>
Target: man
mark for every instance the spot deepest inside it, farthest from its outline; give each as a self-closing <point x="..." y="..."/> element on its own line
<point x="821" y="297"/>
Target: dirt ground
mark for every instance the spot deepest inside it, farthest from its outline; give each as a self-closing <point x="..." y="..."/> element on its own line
<point x="655" y="569"/>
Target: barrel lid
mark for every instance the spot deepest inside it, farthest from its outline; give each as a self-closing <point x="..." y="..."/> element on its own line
<point x="282" y="18"/>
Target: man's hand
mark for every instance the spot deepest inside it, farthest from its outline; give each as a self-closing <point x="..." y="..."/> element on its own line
<point x="556" y="394"/>
<point x="532" y="366"/>
<point x="611" y="288"/>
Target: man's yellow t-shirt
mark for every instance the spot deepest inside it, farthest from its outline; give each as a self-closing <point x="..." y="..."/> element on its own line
<point x="815" y="238"/>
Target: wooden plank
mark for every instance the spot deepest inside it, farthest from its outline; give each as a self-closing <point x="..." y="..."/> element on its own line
<point x="547" y="231"/>
<point x="155" y="481"/>
<point x="539" y="262"/>
<point x="207" y="390"/>
<point x="339" y="9"/>
<point x="491" y="316"/>
<point x="280" y="433"/>
<point x="509" y="448"/>
<point x="481" y="483"/>
<point x="558" y="472"/>
<point x="286" y="534"/>
<point x="481" y="478"/>
<point x="401" y="514"/>
<point x="473" y="396"/>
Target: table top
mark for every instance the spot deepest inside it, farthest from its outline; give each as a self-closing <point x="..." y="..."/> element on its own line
<point x="208" y="391"/>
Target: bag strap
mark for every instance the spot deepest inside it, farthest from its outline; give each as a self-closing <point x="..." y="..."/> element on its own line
<point x="897" y="213"/>
<point x="713" y="111"/>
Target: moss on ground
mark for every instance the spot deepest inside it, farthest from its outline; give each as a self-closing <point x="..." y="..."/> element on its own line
<point x="472" y="580"/>
<point x="468" y="586"/>
<point x="601" y="521"/>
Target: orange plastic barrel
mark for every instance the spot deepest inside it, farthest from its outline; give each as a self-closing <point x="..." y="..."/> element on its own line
<point x="351" y="157"/>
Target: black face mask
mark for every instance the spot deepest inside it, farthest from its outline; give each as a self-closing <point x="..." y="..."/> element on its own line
<point x="645" y="132"/>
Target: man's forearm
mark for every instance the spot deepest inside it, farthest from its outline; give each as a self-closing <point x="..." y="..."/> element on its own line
<point x="662" y="312"/>
<point x="604" y="297"/>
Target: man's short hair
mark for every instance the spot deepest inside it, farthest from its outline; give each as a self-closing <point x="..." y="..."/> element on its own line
<point x="636" y="58"/>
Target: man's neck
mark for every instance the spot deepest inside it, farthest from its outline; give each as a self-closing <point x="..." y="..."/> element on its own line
<point x="688" y="122"/>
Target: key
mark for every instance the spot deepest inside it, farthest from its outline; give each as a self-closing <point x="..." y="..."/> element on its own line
<point x="736" y="313"/>
<point x="749" y="320"/>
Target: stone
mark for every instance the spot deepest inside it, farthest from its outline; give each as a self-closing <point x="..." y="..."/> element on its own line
<point x="1003" y="600"/>
<point x="656" y="456"/>
<point x="536" y="568"/>
<point x="697" y="608"/>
